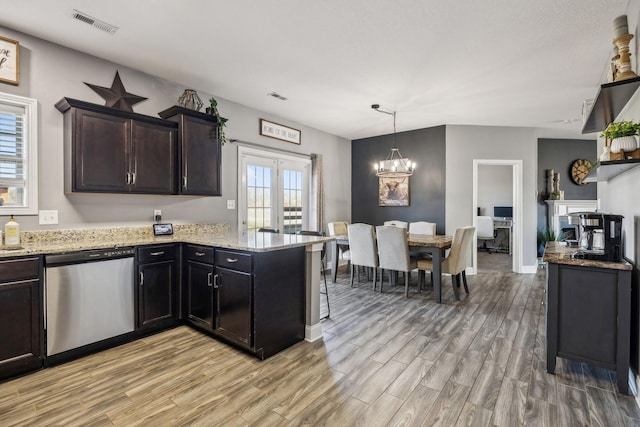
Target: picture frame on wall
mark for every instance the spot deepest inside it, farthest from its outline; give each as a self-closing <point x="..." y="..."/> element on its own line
<point x="9" y="61"/>
<point x="281" y="132"/>
<point x="393" y="191"/>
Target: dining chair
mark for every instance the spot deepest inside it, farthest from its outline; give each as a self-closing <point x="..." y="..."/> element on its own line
<point x="323" y="254"/>
<point x="339" y="228"/>
<point x="363" y="250"/>
<point x="485" y="231"/>
<point x="396" y="223"/>
<point x="422" y="227"/>
<point x="393" y="253"/>
<point x="456" y="261"/>
<point x="268" y="230"/>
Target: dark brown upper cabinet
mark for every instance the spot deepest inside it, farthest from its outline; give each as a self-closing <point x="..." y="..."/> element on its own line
<point x="114" y="151"/>
<point x="199" y="151"/>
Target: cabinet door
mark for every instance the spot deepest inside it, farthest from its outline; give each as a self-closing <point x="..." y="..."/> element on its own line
<point x="233" y="305"/>
<point x="153" y="160"/>
<point x="156" y="293"/>
<point x="101" y="146"/>
<point x="201" y="153"/>
<point x="20" y="327"/>
<point x="199" y="278"/>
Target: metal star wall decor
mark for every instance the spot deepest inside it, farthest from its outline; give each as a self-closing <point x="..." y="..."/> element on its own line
<point x="116" y="96"/>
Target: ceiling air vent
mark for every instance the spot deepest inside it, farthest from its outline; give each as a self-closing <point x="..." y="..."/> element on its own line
<point x="101" y="25"/>
<point x="277" y="96"/>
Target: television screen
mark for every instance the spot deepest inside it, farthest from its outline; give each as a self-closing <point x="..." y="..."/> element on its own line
<point x="503" y="211"/>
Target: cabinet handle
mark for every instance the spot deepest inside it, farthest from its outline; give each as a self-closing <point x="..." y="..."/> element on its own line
<point x="184" y="182"/>
<point x="128" y="178"/>
<point x="133" y="178"/>
<point x="232" y="260"/>
<point x="157" y="253"/>
<point x="209" y="283"/>
<point x="199" y="253"/>
<point x="215" y="281"/>
<point x="141" y="278"/>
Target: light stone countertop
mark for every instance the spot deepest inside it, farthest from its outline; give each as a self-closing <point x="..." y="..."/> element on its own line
<point x="560" y="253"/>
<point x="218" y="235"/>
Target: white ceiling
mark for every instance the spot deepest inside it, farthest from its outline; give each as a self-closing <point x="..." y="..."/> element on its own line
<point x="525" y="63"/>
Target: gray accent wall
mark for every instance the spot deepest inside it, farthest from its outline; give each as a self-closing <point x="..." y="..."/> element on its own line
<point x="559" y="155"/>
<point x="49" y="72"/>
<point x="426" y="187"/>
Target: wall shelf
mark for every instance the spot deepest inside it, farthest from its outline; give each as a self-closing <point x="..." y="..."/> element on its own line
<point x="607" y="170"/>
<point x="610" y="100"/>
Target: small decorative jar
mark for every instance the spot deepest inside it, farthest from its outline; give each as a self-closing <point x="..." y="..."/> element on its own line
<point x="190" y="99"/>
<point x="624" y="143"/>
<point x="605" y="156"/>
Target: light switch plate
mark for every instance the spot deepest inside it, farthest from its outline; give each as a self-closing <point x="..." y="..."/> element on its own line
<point x="231" y="204"/>
<point x="48" y="217"/>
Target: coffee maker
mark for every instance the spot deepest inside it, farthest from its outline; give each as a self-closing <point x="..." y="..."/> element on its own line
<point x="600" y="236"/>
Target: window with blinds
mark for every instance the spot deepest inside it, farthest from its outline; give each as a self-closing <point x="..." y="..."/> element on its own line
<point x="18" y="178"/>
<point x="12" y="155"/>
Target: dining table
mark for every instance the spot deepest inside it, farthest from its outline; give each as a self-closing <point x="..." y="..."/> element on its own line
<point x="435" y="245"/>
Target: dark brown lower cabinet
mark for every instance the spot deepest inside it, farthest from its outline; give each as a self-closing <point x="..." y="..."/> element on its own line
<point x="260" y="299"/>
<point x="157" y="286"/>
<point x="198" y="286"/>
<point x="21" y="325"/>
<point x="233" y="305"/>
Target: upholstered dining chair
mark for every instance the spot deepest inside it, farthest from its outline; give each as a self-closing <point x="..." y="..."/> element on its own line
<point x="268" y="230"/>
<point x="340" y="228"/>
<point x="422" y="227"/>
<point x="363" y="250"/>
<point x="396" y="223"/>
<point x="456" y="261"/>
<point x="393" y="253"/>
<point x="323" y="254"/>
<point x="485" y="231"/>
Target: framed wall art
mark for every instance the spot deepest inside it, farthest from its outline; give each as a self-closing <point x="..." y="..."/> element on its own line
<point x="9" y="61"/>
<point x="393" y="191"/>
<point x="281" y="132"/>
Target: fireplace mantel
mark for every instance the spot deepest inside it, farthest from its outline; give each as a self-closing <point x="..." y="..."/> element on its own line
<point x="559" y="210"/>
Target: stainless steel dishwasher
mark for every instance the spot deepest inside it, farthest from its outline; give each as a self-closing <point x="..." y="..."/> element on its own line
<point x="88" y="297"/>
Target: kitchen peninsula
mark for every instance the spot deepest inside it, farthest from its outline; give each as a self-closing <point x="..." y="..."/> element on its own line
<point x="255" y="291"/>
<point x="588" y="311"/>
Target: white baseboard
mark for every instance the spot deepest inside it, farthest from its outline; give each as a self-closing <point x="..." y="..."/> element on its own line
<point x="313" y="333"/>
<point x="529" y="269"/>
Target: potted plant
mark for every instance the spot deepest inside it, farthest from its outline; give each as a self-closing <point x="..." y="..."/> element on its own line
<point x="213" y="110"/>
<point x="545" y="236"/>
<point x="622" y="135"/>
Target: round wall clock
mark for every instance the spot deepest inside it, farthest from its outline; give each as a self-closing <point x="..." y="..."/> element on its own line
<point x="579" y="170"/>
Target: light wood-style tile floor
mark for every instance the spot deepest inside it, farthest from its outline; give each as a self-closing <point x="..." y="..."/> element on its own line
<point x="384" y="361"/>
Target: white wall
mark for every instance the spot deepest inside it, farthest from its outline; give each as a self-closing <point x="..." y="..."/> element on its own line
<point x="49" y="72"/>
<point x="495" y="187"/>
<point x="466" y="143"/>
<point x="620" y="195"/>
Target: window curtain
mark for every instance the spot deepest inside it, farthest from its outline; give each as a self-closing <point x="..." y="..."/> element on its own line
<point x="316" y="211"/>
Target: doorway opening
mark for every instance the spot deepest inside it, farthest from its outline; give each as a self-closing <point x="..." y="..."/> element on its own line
<point x="493" y="201"/>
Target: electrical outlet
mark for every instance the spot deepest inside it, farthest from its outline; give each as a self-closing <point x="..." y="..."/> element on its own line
<point x="231" y="204"/>
<point x="48" y="217"/>
<point x="157" y="215"/>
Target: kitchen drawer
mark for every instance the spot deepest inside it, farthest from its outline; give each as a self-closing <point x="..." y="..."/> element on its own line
<point x="233" y="260"/>
<point x="147" y="254"/>
<point x="202" y="254"/>
<point x="19" y="269"/>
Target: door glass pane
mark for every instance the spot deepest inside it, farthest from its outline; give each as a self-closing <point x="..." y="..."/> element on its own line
<point x="292" y="201"/>
<point x="258" y="197"/>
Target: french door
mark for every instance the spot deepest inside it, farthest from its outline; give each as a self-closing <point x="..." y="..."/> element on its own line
<point x="273" y="191"/>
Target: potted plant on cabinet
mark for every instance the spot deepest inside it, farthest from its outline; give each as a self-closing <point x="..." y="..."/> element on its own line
<point x="622" y="135"/>
<point x="213" y="110"/>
